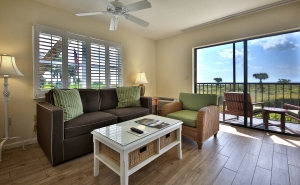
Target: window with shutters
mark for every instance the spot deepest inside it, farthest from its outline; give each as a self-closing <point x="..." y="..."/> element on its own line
<point x="65" y="60"/>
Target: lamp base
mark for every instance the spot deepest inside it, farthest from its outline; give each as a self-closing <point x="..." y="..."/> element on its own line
<point x="143" y="88"/>
<point x="5" y="139"/>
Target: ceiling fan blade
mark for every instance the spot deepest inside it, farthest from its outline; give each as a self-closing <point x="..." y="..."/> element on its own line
<point x="138" y="6"/>
<point x="107" y="3"/>
<point x="91" y="13"/>
<point x="136" y="20"/>
<point x="114" y="23"/>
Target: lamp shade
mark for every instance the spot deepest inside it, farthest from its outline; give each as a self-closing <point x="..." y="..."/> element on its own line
<point x="8" y="66"/>
<point x="141" y="79"/>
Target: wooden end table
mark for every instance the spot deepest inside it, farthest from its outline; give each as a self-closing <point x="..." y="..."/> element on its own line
<point x="266" y="113"/>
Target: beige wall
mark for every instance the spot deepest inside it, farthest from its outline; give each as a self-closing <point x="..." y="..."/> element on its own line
<point x="16" y="20"/>
<point x="174" y="54"/>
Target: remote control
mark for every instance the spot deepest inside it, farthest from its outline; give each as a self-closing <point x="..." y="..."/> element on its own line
<point x="136" y="130"/>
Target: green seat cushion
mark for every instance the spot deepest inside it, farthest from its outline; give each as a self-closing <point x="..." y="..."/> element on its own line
<point x="69" y="101"/>
<point x="195" y="102"/>
<point x="294" y="113"/>
<point x="188" y="117"/>
<point x="128" y="96"/>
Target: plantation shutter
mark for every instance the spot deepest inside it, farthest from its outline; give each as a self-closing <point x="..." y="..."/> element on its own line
<point x="115" y="65"/>
<point x="98" y="66"/>
<point x="48" y="56"/>
<point x="76" y="64"/>
<point x="67" y="60"/>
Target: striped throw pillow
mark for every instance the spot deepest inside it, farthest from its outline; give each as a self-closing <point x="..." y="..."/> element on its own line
<point x="69" y="101"/>
<point x="128" y="96"/>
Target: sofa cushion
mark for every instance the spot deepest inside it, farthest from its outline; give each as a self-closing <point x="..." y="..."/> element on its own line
<point x="87" y="122"/>
<point x="128" y="96"/>
<point x="195" y="102"/>
<point x="108" y="98"/>
<point x="90" y="100"/>
<point x="69" y="101"/>
<point x="128" y="113"/>
<point x="188" y="117"/>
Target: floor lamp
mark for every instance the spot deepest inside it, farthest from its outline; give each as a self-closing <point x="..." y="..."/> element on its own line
<point x="8" y="68"/>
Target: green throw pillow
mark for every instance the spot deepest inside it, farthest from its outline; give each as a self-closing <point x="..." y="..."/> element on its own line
<point x="128" y="96"/>
<point x="69" y="101"/>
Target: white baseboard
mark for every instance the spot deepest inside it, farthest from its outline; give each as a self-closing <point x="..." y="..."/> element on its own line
<point x="19" y="143"/>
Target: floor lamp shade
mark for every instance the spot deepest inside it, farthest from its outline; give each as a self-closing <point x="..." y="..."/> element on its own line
<point x="7" y="68"/>
<point x="141" y="79"/>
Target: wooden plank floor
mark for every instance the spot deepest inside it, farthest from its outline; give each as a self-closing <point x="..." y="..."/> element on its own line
<point x="236" y="156"/>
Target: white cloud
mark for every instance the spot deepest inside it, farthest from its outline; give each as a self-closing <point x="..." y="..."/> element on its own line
<point x="279" y="42"/>
<point x="227" y="53"/>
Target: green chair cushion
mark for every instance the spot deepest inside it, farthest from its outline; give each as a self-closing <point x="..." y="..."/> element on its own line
<point x="294" y="113"/>
<point x="188" y="117"/>
<point x="195" y="102"/>
<point x="128" y="96"/>
<point x="69" y="101"/>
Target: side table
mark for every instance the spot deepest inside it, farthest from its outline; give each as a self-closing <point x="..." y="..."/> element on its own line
<point x="268" y="110"/>
<point x="155" y="105"/>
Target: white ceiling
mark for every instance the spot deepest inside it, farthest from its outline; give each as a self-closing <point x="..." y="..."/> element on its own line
<point x="167" y="17"/>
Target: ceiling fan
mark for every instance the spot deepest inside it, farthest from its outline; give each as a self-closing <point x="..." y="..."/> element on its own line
<point x="117" y="9"/>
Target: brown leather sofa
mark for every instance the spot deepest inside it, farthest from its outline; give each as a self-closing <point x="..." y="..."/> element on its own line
<point x="62" y="141"/>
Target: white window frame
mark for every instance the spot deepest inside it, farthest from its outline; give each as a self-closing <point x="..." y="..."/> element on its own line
<point x="39" y="93"/>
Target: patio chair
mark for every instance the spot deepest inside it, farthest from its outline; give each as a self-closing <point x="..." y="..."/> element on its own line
<point x="234" y="104"/>
<point x="292" y="111"/>
<point x="199" y="114"/>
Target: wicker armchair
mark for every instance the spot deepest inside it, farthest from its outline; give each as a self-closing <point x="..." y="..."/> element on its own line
<point x="199" y="113"/>
<point x="234" y="104"/>
<point x="293" y="111"/>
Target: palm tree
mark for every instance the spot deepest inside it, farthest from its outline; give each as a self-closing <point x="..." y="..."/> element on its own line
<point x="218" y="80"/>
<point x="284" y="81"/>
<point x="260" y="76"/>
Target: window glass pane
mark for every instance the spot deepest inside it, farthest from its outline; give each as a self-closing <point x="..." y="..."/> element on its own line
<point x="273" y="69"/>
<point x="115" y="78"/>
<point x="76" y="64"/>
<point x="98" y="67"/>
<point x="50" y="61"/>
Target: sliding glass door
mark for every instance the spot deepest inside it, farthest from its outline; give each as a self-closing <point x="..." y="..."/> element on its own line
<point x="267" y="68"/>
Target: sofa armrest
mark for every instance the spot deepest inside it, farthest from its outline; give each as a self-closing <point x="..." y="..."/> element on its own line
<point x="208" y="121"/>
<point x="50" y="131"/>
<point x="147" y="103"/>
<point x="171" y="107"/>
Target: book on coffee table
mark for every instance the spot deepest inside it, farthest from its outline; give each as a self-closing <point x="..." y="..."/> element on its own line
<point x="152" y="122"/>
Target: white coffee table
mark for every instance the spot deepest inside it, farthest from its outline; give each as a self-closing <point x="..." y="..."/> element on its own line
<point x="125" y="153"/>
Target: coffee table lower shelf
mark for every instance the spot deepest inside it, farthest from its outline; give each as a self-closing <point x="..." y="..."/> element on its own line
<point x="122" y="165"/>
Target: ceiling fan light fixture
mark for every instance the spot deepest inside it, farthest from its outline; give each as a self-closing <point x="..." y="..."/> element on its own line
<point x="117" y="9"/>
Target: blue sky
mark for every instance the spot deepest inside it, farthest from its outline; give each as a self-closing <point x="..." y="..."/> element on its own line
<point x="278" y="56"/>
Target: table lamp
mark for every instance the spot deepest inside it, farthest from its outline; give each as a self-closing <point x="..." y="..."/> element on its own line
<point x="141" y="79"/>
<point x="8" y="68"/>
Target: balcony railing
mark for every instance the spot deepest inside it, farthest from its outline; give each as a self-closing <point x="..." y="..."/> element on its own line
<point x="272" y="94"/>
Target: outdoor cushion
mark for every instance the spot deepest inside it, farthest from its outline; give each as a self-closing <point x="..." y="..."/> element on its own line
<point x="128" y="113"/>
<point x="197" y="101"/>
<point x="87" y="122"/>
<point x="257" y="109"/>
<point x="188" y="117"/>
<point x="69" y="101"/>
<point x="128" y="96"/>
<point x="294" y="113"/>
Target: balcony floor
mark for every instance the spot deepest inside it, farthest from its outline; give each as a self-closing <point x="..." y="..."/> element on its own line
<point x="257" y="121"/>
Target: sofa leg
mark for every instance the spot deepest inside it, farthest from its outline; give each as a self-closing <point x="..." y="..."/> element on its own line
<point x="199" y="145"/>
<point x="216" y="134"/>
